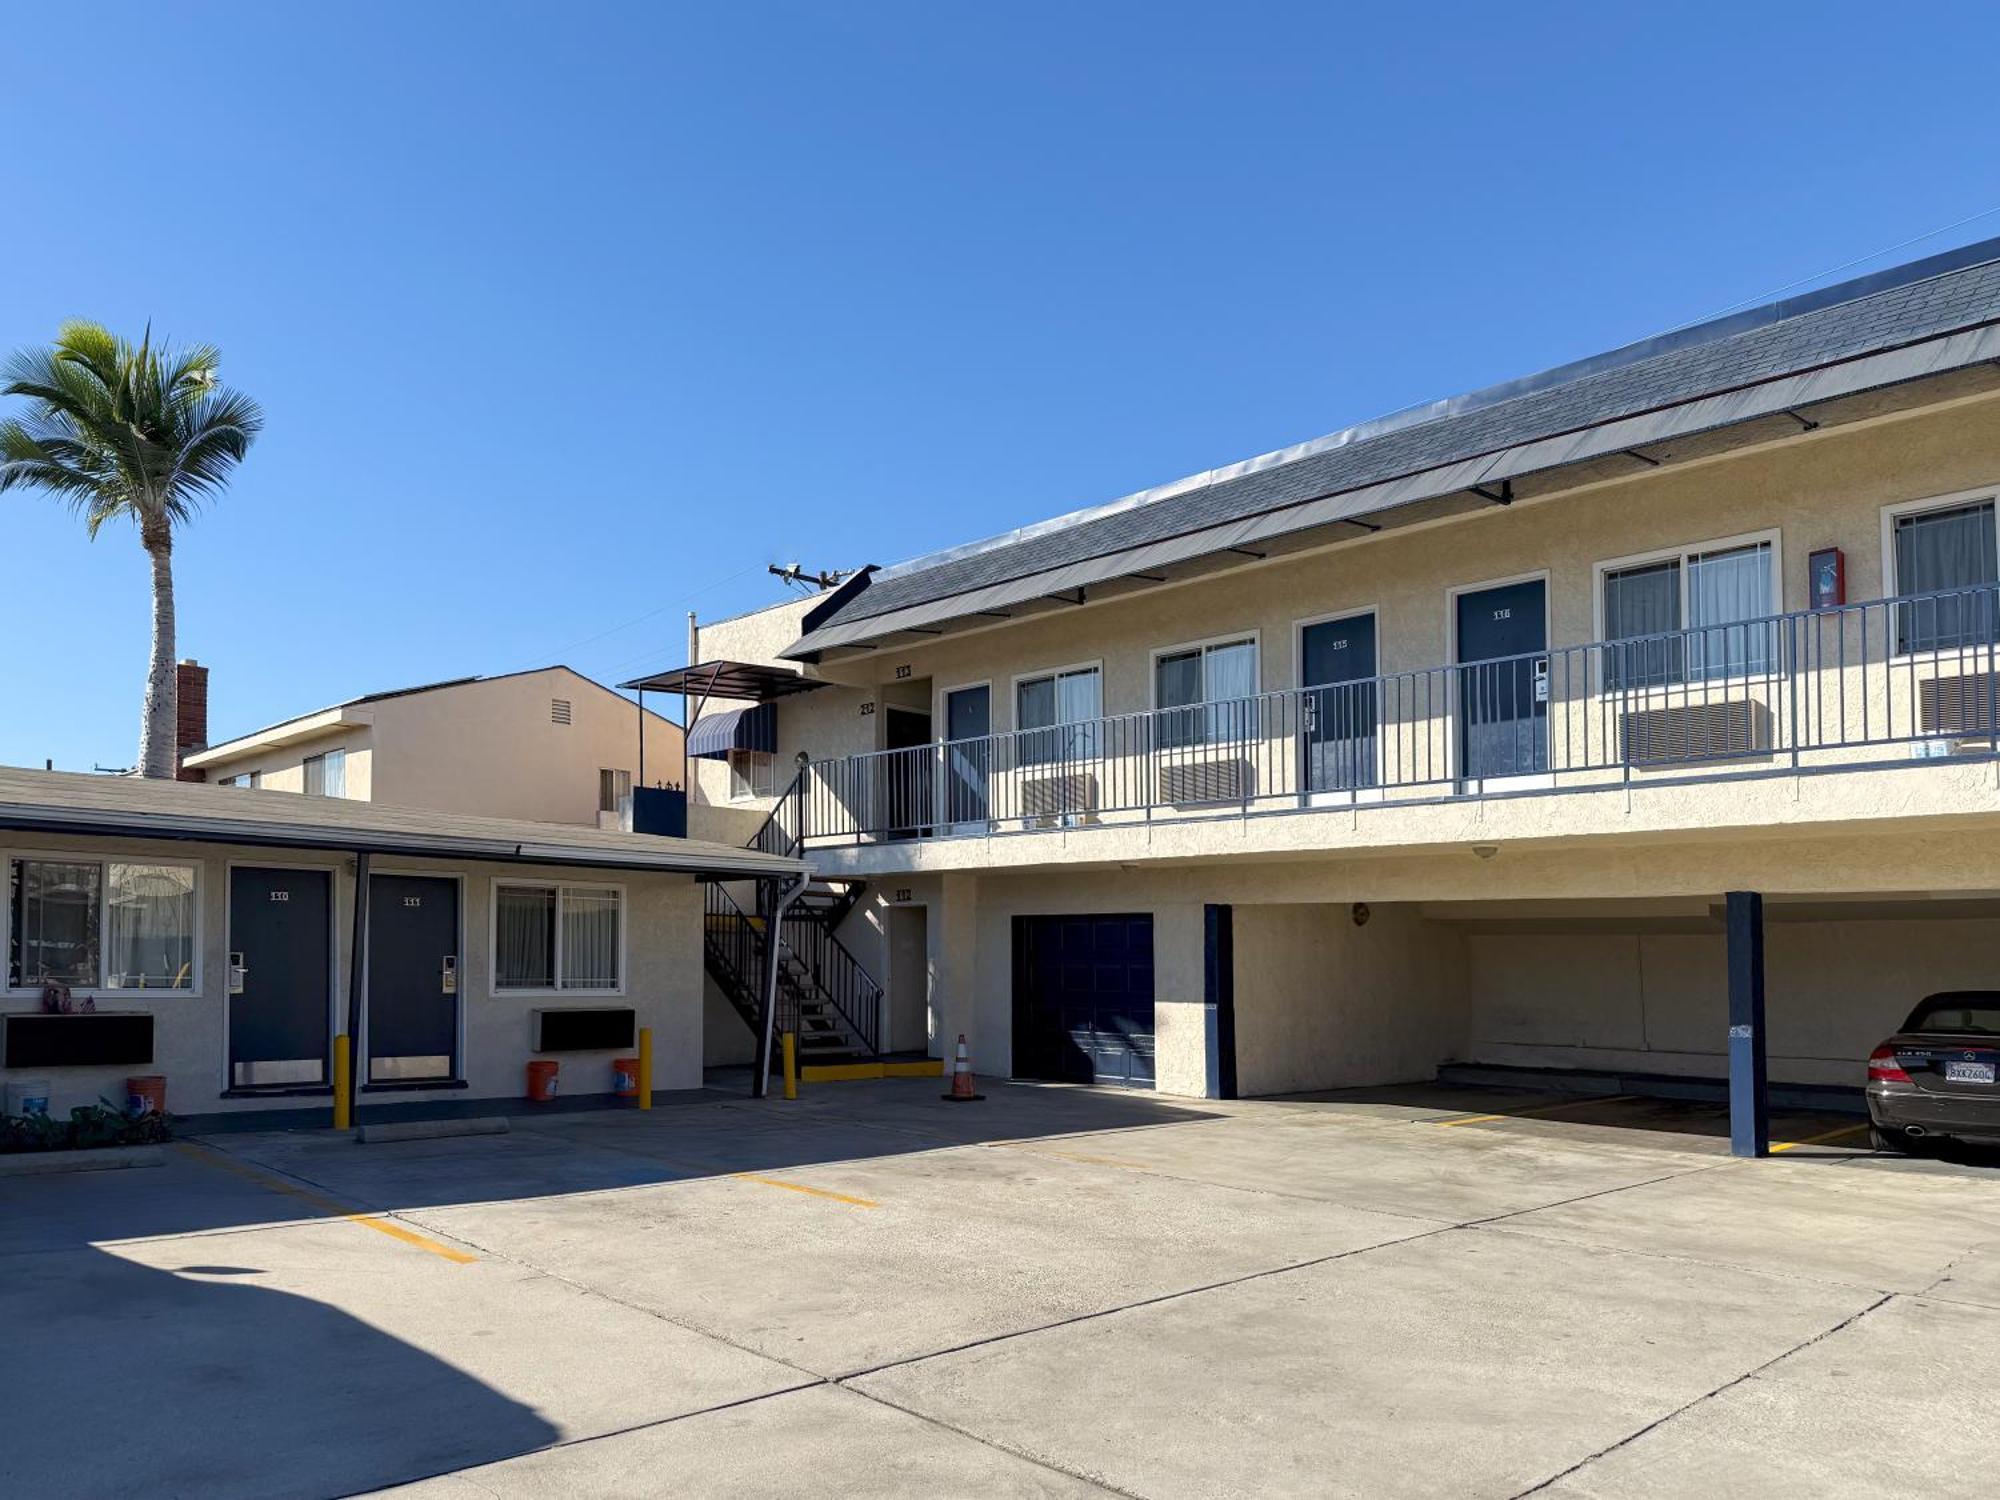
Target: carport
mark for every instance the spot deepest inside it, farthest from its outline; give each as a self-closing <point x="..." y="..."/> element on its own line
<point x="1776" y="999"/>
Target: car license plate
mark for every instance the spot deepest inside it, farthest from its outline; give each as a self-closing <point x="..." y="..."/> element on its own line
<point x="1968" y="1072"/>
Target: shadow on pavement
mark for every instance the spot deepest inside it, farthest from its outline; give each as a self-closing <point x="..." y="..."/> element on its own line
<point x="197" y="1381"/>
<point x="239" y="1179"/>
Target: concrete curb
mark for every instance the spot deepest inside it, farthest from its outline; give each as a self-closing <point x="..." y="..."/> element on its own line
<point x="431" y="1130"/>
<point x="99" y="1159"/>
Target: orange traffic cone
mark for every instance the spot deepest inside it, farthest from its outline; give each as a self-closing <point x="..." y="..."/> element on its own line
<point x="961" y="1077"/>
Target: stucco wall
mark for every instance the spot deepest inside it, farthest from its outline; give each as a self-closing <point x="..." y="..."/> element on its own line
<point x="1324" y="1003"/>
<point x="663" y="976"/>
<point x="1658" y="1002"/>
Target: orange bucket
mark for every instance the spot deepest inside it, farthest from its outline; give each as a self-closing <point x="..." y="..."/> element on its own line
<point x="542" y="1081"/>
<point x="625" y="1077"/>
<point x="146" y="1094"/>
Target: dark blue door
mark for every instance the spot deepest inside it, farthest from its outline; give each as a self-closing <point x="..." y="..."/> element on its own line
<point x="412" y="978"/>
<point x="280" y="977"/>
<point x="968" y="755"/>
<point x="1083" y="999"/>
<point x="1337" y="665"/>
<point x="1503" y="692"/>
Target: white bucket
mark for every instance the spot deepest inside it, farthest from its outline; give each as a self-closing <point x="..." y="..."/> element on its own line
<point x="28" y="1096"/>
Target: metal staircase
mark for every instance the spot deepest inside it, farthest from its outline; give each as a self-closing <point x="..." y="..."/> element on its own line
<point x="825" y="998"/>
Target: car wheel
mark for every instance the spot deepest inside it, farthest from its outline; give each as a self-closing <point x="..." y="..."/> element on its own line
<point x="1884" y="1140"/>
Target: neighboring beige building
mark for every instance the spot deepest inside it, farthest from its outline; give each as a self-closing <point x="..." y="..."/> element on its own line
<point x="1437" y="743"/>
<point x="548" y="745"/>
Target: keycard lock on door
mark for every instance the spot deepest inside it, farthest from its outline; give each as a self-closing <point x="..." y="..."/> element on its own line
<point x="450" y="974"/>
<point x="237" y="973"/>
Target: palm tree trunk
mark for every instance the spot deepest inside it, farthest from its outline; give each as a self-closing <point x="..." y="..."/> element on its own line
<point x="157" y="751"/>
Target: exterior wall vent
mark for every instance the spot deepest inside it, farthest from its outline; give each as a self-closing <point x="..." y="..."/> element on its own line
<point x="558" y="710"/>
<point x="1695" y="732"/>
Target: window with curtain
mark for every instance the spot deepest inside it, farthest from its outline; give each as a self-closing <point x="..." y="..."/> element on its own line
<point x="614" y="792"/>
<point x="1693" y="616"/>
<point x="148" y="927"/>
<point x="326" y="775"/>
<point x="1057" y="716"/>
<point x="548" y="937"/>
<point x="524" y="938"/>
<point x="1203" y="694"/>
<point x="101" y="925"/>
<point x="752" y="774"/>
<point x="1950" y="556"/>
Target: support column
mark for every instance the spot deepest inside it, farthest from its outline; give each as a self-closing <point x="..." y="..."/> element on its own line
<point x="357" y="980"/>
<point x="1219" y="997"/>
<point x="1749" y="1094"/>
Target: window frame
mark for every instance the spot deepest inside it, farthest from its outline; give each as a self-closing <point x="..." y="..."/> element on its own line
<point x="738" y="797"/>
<point x="499" y="990"/>
<point x="1254" y="637"/>
<point x="321" y="759"/>
<point x="614" y="772"/>
<point x="103" y="860"/>
<point x="1892" y="586"/>
<point x="1092" y="743"/>
<point x="1681" y="555"/>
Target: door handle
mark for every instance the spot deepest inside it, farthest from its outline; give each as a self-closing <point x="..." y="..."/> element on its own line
<point x="237" y="973"/>
<point x="449" y="974"/>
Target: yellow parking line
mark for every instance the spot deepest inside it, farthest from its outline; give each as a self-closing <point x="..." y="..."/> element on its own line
<point x="1816" y="1140"/>
<point x="1094" y="1161"/>
<point x="377" y="1222"/>
<point x="1546" y="1109"/>
<point x="800" y="1187"/>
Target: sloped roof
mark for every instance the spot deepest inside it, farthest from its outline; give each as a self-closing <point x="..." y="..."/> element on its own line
<point x="1451" y="445"/>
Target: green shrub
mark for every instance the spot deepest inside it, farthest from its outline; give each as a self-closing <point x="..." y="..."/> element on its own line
<point x="88" y="1126"/>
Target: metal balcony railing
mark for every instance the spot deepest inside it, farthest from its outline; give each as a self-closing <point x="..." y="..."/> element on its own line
<point x="1820" y="690"/>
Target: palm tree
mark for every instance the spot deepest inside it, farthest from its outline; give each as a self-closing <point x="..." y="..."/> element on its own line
<point x="144" y="434"/>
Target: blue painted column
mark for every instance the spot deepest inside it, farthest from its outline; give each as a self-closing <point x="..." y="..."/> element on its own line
<point x="1749" y="1094"/>
<point x="1218" y="931"/>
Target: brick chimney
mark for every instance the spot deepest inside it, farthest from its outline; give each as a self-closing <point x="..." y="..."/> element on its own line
<point x="190" y="715"/>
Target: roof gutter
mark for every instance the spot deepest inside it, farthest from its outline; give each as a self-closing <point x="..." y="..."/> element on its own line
<point x="104" y="824"/>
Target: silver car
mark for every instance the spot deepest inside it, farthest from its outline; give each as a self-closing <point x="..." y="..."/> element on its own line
<point x="1938" y="1077"/>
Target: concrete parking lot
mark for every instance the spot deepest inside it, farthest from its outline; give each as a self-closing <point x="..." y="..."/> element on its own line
<point x="1057" y="1292"/>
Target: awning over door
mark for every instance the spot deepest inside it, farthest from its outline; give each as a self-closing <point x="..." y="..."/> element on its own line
<point x="715" y="735"/>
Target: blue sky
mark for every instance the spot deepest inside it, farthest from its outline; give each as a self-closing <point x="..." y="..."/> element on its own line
<point x="567" y="315"/>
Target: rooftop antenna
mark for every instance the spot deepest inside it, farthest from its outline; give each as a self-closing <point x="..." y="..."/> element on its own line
<point x="804" y="578"/>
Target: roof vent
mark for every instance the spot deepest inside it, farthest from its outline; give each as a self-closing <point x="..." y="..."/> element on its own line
<point x="558" y="710"/>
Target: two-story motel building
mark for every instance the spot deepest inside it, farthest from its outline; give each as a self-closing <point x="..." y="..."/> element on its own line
<point x="1444" y="739"/>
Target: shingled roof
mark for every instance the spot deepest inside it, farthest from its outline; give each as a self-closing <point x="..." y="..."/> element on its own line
<point x="1664" y="387"/>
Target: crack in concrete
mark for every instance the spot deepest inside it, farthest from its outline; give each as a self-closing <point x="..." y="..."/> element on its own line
<point x="1751" y="1374"/>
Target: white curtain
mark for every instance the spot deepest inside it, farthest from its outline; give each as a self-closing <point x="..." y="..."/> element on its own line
<point x="150" y="941"/>
<point x="336" y="773"/>
<point x="1725" y="588"/>
<point x="1079" y="701"/>
<point x="525" y="938"/>
<point x="1229" y="677"/>
<point x="590" y="940"/>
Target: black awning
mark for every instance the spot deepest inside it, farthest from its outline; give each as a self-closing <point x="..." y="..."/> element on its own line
<point x="757" y="681"/>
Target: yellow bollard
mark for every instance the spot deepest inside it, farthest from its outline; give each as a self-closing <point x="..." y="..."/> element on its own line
<point x="343" y="1078"/>
<point x="645" y="1067"/>
<point x="791" y="1045"/>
